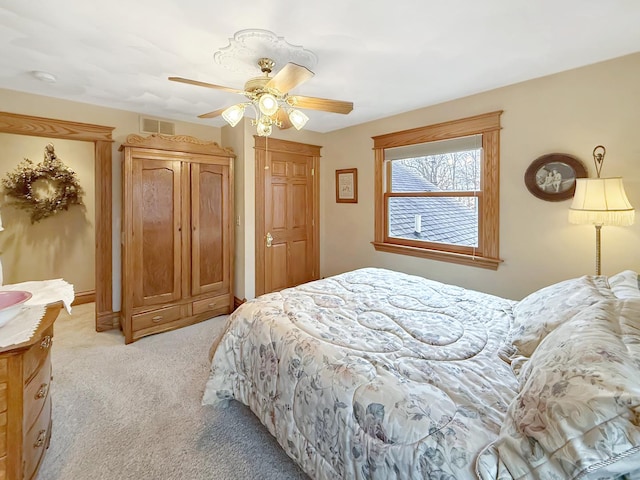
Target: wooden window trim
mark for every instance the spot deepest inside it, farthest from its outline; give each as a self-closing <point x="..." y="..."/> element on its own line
<point x="487" y="253"/>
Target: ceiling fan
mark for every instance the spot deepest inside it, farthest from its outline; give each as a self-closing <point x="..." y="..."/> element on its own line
<point x="270" y="97"/>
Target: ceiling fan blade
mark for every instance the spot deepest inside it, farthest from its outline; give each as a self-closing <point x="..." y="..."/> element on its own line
<point x="213" y="114"/>
<point x="204" y="84"/>
<point x="283" y="117"/>
<point x="289" y="77"/>
<point x="324" y="104"/>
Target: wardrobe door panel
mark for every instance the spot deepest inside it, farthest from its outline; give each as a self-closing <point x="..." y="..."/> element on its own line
<point x="210" y="212"/>
<point x="156" y="232"/>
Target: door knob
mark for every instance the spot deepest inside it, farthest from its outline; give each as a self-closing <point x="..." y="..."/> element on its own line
<point x="269" y="239"/>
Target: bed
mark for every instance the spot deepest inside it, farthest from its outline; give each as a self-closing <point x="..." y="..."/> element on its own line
<point x="376" y="374"/>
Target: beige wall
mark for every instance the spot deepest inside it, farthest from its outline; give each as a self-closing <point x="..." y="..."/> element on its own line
<point x="124" y="122"/>
<point x="234" y="138"/>
<point x="571" y="112"/>
<point x="60" y="246"/>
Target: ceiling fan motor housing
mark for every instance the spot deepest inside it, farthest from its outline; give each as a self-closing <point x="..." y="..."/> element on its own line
<point x="256" y="83"/>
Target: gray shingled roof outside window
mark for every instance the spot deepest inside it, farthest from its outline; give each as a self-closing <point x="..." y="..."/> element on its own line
<point x="444" y="219"/>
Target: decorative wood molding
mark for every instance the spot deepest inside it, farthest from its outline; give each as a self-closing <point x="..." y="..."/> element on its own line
<point x="84" y="297"/>
<point x="181" y="143"/>
<point x="490" y="234"/>
<point x="287" y="146"/>
<point x="440" y="131"/>
<point x="101" y="137"/>
<point x="49" y="127"/>
<point x="459" y="258"/>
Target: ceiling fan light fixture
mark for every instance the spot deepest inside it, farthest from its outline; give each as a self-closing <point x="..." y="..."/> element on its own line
<point x="270" y="99"/>
<point x="263" y="127"/>
<point x="234" y="114"/>
<point x="298" y="119"/>
<point x="268" y="104"/>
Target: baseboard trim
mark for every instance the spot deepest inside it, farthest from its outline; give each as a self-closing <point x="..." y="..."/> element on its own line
<point x="84" y="297"/>
<point x="237" y="302"/>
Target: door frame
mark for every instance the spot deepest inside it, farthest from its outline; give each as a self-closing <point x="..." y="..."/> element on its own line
<point x="101" y="137"/>
<point x="263" y="146"/>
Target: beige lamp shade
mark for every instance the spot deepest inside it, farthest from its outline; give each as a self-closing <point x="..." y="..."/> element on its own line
<point x="601" y="201"/>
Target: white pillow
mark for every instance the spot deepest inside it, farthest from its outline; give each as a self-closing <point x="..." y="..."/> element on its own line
<point x="625" y="284"/>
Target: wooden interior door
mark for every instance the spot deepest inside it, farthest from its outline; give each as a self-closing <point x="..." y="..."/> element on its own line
<point x="210" y="232"/>
<point x="287" y="251"/>
<point x="157" y="236"/>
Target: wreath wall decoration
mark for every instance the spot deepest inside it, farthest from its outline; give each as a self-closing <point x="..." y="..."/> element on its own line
<point x="66" y="190"/>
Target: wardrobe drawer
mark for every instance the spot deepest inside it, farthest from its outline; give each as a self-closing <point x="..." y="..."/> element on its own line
<point x="37" y="440"/>
<point x="156" y="317"/>
<point x="36" y="393"/>
<point x="37" y="354"/>
<point x="202" y="306"/>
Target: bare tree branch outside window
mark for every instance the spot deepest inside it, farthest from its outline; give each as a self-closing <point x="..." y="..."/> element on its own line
<point x="457" y="171"/>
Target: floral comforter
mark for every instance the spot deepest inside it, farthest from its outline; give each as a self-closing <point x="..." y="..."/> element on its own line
<point x="371" y="374"/>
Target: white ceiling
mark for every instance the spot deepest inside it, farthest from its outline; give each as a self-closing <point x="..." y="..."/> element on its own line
<point x="385" y="56"/>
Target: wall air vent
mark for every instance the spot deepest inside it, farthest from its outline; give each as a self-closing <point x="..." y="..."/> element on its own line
<point x="152" y="125"/>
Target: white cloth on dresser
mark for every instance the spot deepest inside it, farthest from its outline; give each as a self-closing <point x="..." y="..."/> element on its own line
<point x="21" y="327"/>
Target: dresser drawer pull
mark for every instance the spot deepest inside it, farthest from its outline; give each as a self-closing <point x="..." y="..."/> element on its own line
<point x="211" y="305"/>
<point x="42" y="391"/>
<point x="46" y="342"/>
<point x="42" y="435"/>
<point x="157" y="318"/>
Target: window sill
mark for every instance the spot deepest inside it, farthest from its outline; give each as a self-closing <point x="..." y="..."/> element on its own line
<point x="459" y="258"/>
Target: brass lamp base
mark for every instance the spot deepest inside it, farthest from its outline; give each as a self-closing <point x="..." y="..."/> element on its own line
<point x="598" y="228"/>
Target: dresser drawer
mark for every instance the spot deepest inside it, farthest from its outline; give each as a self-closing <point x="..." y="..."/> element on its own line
<point x="36" y="393"/>
<point x="215" y="303"/>
<point x="34" y="357"/>
<point x="37" y="440"/>
<point x="156" y="317"/>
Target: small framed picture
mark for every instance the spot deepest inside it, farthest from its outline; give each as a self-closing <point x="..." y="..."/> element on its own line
<point x="552" y="177"/>
<point x="347" y="185"/>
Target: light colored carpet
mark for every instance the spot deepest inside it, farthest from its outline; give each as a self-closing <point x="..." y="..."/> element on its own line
<point x="133" y="411"/>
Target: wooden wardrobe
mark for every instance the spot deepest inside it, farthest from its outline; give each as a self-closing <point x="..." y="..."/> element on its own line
<point x="177" y="233"/>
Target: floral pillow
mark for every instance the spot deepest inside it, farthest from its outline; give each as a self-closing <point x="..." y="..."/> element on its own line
<point x="541" y="312"/>
<point x="577" y="415"/>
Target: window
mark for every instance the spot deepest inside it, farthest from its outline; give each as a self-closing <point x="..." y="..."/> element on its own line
<point x="437" y="191"/>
